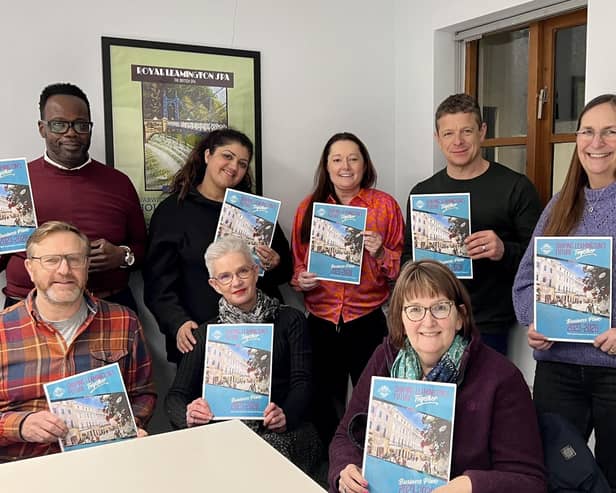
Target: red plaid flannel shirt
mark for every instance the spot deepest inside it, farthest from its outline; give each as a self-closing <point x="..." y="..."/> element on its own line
<point x="32" y="353"/>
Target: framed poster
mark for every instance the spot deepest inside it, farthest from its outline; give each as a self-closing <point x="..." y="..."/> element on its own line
<point x="160" y="98"/>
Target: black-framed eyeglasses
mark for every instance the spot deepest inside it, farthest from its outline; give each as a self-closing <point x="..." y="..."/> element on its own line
<point x="61" y="127"/>
<point x="52" y="262"/>
<point x="227" y="277"/>
<point x="439" y="310"/>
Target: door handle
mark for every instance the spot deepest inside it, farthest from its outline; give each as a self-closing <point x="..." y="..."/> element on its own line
<point x="542" y="98"/>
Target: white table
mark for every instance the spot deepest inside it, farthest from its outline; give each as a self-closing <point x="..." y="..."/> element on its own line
<point x="221" y="457"/>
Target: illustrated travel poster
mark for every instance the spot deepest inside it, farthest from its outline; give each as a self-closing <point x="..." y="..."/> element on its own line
<point x="250" y="217"/>
<point x="440" y="223"/>
<point x="336" y="242"/>
<point x="95" y="407"/>
<point x="409" y="435"/>
<point x="160" y="100"/>
<point x="238" y="370"/>
<point x="17" y="213"/>
<point x="573" y="287"/>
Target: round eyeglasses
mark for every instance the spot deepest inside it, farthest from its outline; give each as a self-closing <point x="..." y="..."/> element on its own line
<point x="227" y="277"/>
<point x="439" y="310"/>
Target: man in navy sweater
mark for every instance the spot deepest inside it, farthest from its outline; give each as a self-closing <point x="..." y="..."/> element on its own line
<point x="67" y="185"/>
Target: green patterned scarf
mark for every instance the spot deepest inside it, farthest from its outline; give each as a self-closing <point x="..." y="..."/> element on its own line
<point x="408" y="366"/>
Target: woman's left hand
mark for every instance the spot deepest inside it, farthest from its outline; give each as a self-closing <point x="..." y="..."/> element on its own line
<point x="606" y="342"/>
<point x="461" y="484"/>
<point x="274" y="418"/>
<point x="373" y="242"/>
<point x="268" y="257"/>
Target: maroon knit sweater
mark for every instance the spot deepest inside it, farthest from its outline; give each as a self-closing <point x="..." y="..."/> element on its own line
<point x="100" y="201"/>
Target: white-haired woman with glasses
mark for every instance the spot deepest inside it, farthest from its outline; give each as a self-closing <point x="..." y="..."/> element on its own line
<point x="572" y="379"/>
<point x="233" y="274"/>
<point x="432" y="336"/>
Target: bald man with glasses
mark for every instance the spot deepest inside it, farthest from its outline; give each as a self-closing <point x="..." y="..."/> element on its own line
<point x="68" y="185"/>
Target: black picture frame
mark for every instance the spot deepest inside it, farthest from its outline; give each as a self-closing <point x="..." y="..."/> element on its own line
<point x="173" y="92"/>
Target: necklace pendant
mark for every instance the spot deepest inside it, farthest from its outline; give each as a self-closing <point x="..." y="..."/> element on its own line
<point x="590" y="208"/>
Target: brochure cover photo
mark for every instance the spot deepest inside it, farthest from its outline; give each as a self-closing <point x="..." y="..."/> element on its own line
<point x="337" y="242"/>
<point x="440" y="223"/>
<point x="573" y="287"/>
<point x="250" y="217"/>
<point x="17" y="214"/>
<point x="238" y="370"/>
<point x="409" y="435"/>
<point x="95" y="407"/>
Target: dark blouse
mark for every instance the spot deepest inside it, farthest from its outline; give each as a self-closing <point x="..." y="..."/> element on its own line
<point x="291" y="370"/>
<point x="175" y="278"/>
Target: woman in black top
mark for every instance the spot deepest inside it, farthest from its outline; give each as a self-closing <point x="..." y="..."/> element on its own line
<point x="182" y="227"/>
<point x="233" y="274"/>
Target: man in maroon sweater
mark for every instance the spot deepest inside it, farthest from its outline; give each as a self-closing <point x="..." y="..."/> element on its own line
<point x="68" y="185"/>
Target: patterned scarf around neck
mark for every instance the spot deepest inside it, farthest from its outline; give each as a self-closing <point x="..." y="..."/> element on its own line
<point x="408" y="366"/>
<point x="265" y="310"/>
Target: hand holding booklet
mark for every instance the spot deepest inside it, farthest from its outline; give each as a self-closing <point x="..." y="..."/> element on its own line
<point x="250" y="217"/>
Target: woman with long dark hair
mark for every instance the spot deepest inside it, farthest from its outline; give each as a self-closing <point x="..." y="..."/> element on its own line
<point x="346" y="321"/>
<point x="578" y="380"/>
<point x="183" y="225"/>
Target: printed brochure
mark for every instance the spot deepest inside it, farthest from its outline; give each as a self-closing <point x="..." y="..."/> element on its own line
<point x="17" y="213"/>
<point x="337" y="242"/>
<point x="573" y="287"/>
<point x="409" y="435"/>
<point x="238" y="368"/>
<point x="95" y="407"/>
<point x="250" y="217"/>
<point x="440" y="223"/>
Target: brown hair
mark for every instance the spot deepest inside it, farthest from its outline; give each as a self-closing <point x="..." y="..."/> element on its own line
<point x="458" y="103"/>
<point x="323" y="183"/>
<point x="193" y="171"/>
<point x="51" y="227"/>
<point x="568" y="208"/>
<point x="427" y="278"/>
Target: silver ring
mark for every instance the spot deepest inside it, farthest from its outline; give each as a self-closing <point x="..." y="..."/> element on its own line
<point x="484" y="248"/>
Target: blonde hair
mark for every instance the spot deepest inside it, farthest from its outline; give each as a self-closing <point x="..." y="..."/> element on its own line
<point x="51" y="227"/>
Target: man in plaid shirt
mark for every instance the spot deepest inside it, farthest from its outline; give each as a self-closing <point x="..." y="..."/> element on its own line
<point x="60" y="330"/>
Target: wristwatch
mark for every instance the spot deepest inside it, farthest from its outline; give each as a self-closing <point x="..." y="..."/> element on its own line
<point x="129" y="257"/>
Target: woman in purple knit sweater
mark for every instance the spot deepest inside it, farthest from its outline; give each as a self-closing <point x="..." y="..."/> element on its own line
<point x="577" y="380"/>
<point x="432" y="336"/>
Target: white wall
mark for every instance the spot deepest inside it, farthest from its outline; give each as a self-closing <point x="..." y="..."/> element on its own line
<point x="375" y="68"/>
<point x="326" y="66"/>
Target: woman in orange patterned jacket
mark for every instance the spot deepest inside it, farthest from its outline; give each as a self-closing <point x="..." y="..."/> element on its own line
<point x="346" y="321"/>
